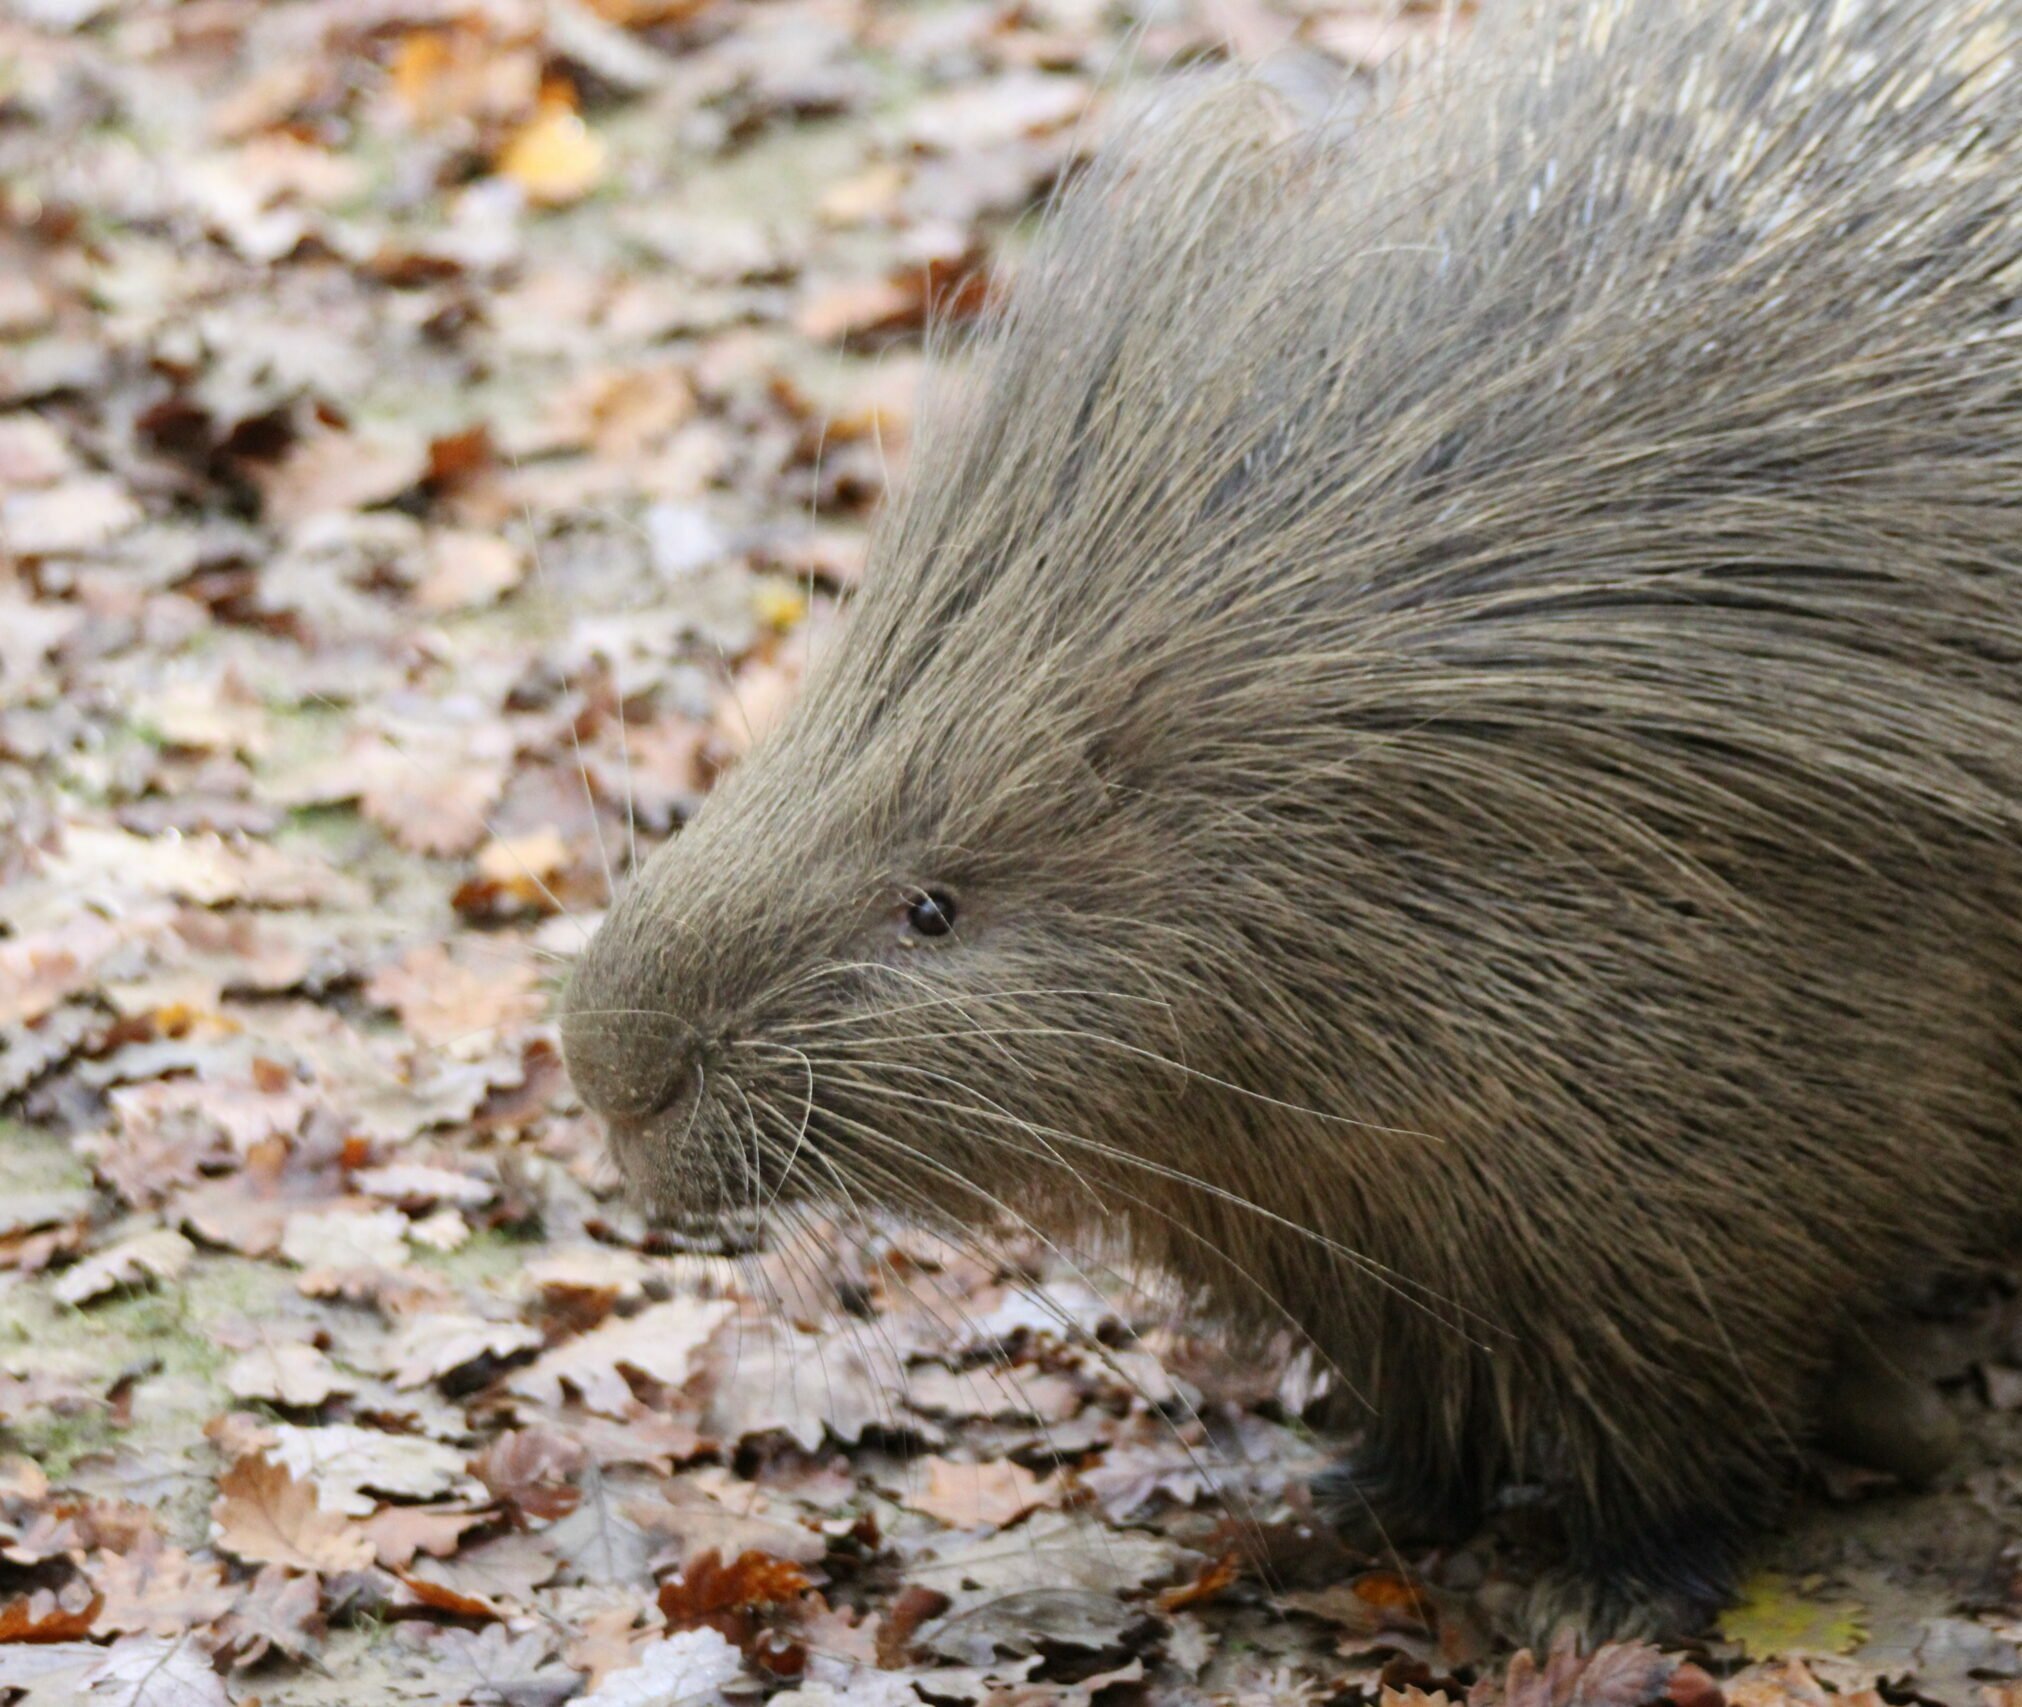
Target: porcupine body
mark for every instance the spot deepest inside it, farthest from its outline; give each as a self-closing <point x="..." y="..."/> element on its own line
<point x="1438" y="733"/>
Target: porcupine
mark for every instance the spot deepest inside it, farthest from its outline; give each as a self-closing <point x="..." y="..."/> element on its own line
<point x="1437" y="733"/>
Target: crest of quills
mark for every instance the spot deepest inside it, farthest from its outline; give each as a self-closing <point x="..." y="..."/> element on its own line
<point x="429" y="431"/>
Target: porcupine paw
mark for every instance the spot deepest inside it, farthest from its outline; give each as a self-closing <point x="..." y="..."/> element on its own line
<point x="1376" y="1509"/>
<point x="1662" y="1589"/>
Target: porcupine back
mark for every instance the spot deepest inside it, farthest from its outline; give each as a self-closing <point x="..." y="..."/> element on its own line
<point x="1534" y="587"/>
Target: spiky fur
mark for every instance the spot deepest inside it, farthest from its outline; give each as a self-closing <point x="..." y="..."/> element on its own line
<point x="1467" y="683"/>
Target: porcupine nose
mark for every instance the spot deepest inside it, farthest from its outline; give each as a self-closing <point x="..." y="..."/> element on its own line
<point x="628" y="1066"/>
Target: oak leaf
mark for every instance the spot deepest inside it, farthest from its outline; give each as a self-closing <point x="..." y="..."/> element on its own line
<point x="158" y="1590"/>
<point x="49" y="1615"/>
<point x="297" y="1376"/>
<point x="532" y="1470"/>
<point x="159" y="1254"/>
<point x="277" y="1612"/>
<point x="439" y="1343"/>
<point x="262" y="1513"/>
<point x="965" y="1495"/>
<point x="661" y="1342"/>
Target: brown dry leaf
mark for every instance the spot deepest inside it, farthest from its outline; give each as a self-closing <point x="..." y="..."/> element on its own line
<point x="965" y="1495"/>
<point x="1208" y="1583"/>
<point x="160" y="1254"/>
<point x="335" y="473"/>
<point x="606" y="1643"/>
<point x="507" y="1569"/>
<point x="708" y="1586"/>
<point x="525" y="867"/>
<point x="263" y="1514"/>
<point x="399" y="1532"/>
<point x="456" y="1006"/>
<point x="532" y="1470"/>
<point x="276" y="1612"/>
<point x="48" y="1615"/>
<point x="740" y="1602"/>
<point x="617" y="412"/>
<point x="158" y="1590"/>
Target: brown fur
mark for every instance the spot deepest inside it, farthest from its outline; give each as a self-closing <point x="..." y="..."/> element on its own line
<point x="1467" y="686"/>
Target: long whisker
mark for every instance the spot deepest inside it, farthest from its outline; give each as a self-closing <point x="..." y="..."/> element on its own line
<point x="1401" y="1286"/>
<point x="1082" y="1035"/>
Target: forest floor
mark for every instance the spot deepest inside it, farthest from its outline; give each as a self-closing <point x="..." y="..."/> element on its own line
<point x="430" y="431"/>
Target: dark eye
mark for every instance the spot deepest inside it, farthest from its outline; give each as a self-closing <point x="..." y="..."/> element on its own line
<point x="932" y="914"/>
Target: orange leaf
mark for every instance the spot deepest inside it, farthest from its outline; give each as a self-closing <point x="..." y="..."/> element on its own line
<point x="43" y="1617"/>
<point x="554" y="157"/>
<point x="1208" y="1584"/>
<point x="707" y="1586"/>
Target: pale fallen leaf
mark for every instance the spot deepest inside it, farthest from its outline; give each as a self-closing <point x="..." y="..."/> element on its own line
<point x="417" y="1183"/>
<point x="96" y="860"/>
<point x="689" y="1668"/>
<point x="79" y="514"/>
<point x="160" y="1254"/>
<point x="986" y="114"/>
<point x="297" y="1376"/>
<point x="466" y="570"/>
<point x="661" y="1342"/>
<point x="965" y="1495"/>
<point x="158" y="1590"/>
<point x="773" y="1376"/>
<point x="434" y="1345"/>
<point x="1052" y="1551"/>
<point x="277" y="1611"/>
<point x="341" y="1239"/>
<point x="156" y="1671"/>
<point x="342" y="1461"/>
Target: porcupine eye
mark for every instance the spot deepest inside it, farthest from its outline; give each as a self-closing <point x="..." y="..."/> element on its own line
<point x="932" y="914"/>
